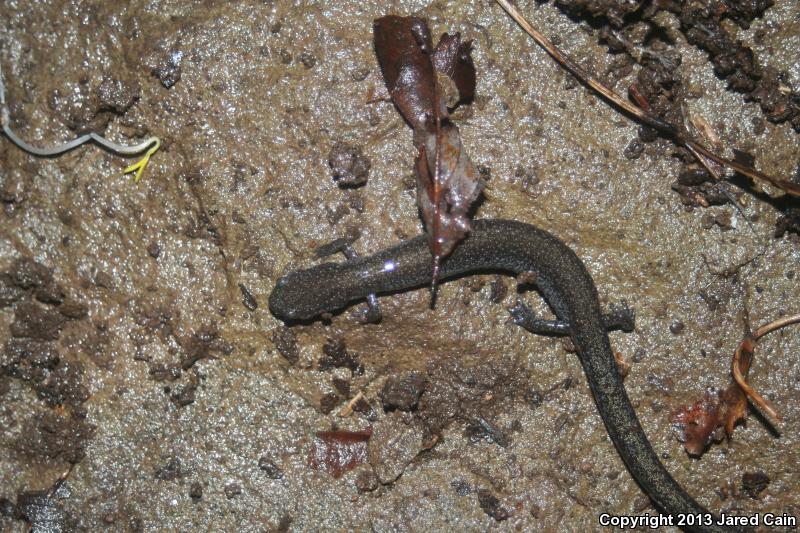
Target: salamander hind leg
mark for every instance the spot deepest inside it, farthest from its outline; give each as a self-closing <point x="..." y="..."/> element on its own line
<point x="522" y="316"/>
<point x="620" y="316"/>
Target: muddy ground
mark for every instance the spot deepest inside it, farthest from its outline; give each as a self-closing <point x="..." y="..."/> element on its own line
<point x="136" y="340"/>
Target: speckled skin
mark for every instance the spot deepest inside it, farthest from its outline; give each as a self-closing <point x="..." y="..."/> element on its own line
<point x="515" y="247"/>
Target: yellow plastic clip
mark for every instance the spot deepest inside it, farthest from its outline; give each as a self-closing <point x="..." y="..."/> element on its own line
<point x="140" y="165"/>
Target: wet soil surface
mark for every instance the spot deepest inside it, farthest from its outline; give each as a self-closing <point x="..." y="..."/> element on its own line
<point x="137" y="352"/>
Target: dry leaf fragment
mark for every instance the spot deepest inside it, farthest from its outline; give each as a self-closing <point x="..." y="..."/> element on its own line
<point x="338" y="452"/>
<point x="697" y="423"/>
<point x="447" y="181"/>
<point x="702" y="423"/>
<point x="742" y="359"/>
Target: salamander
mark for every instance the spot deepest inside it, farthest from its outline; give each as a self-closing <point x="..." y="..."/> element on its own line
<point x="561" y="277"/>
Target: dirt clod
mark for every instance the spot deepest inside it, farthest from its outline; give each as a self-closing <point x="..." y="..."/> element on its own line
<point x="42" y="511"/>
<point x="285" y="342"/>
<point x="491" y="505"/>
<point x="393" y="445"/>
<point x="308" y="59"/>
<point x="402" y="391"/>
<point x="26" y="273"/>
<point x="634" y="150"/>
<point x="336" y="355"/>
<point x="56" y="436"/>
<point x="196" y="491"/>
<point x="482" y="429"/>
<point x="36" y="322"/>
<point x="788" y="222"/>
<point x="342" y="386"/>
<point x="7" y="507"/>
<point x="168" y="68"/>
<point x="366" y="480"/>
<point x="328" y="402"/>
<point x="349" y="165"/>
<point x="9" y="291"/>
<point x="117" y="95"/>
<point x="232" y="490"/>
<point x="73" y="310"/>
<point x="170" y="470"/>
<point x="754" y="483"/>
<point x="184" y="395"/>
<point x="248" y="300"/>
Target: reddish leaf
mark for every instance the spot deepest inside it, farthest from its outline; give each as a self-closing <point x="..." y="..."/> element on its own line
<point x="460" y="183"/>
<point x="338" y="452"/>
<point x="447" y="181"/>
<point x="697" y="423"/>
<point x="403" y="46"/>
<point x="452" y="58"/>
<point x="710" y="419"/>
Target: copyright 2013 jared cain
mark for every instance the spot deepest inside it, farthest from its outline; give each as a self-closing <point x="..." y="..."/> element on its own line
<point x="655" y="521"/>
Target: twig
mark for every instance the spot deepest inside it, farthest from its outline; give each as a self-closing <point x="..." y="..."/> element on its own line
<point x="713" y="173"/>
<point x="150" y="145"/>
<point x="347" y="410"/>
<point x="650" y="120"/>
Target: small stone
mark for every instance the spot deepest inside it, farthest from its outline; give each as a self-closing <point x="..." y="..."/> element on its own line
<point x="232" y="490"/>
<point x="677" y="327"/>
<point x="272" y="470"/>
<point x="349" y="165"/>
<point x="308" y="59"/>
<point x="402" y="391"/>
<point x="753" y="483"/>
<point x="154" y="250"/>
<point x="196" y="491"/>
<point x="366" y="480"/>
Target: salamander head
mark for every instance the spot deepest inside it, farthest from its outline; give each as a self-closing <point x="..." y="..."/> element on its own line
<point x="304" y="294"/>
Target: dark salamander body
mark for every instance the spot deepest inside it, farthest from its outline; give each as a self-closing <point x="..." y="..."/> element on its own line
<point x="514" y="247"/>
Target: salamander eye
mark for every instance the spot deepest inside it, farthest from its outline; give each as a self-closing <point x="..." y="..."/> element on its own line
<point x="282" y="282"/>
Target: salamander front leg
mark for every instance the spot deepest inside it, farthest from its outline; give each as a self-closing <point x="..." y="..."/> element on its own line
<point x="373" y="314"/>
<point x="620" y="317"/>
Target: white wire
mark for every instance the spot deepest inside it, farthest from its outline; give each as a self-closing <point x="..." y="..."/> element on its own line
<point x="57" y="150"/>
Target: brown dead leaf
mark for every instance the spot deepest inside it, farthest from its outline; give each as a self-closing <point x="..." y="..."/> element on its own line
<point x="447" y="181"/>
